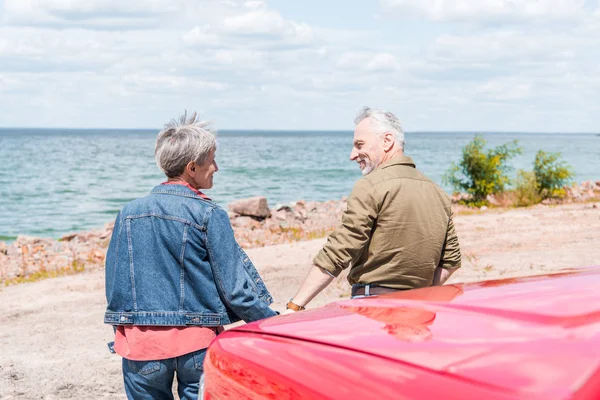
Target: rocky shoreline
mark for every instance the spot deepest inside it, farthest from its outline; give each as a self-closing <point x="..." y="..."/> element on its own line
<point x="30" y="259"/>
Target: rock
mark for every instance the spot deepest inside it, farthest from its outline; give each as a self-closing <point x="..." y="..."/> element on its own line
<point x="253" y="207"/>
<point x="97" y="254"/>
<point x="25" y="240"/>
<point x="584" y="185"/>
<point x="311" y="206"/>
<point x="483" y="208"/>
<point x="301" y="214"/>
<point x="280" y="215"/>
<point x="83" y="237"/>
<point x="492" y="200"/>
<point x="232" y="215"/>
<point x="281" y="207"/>
<point x="68" y="238"/>
<point x="3" y="248"/>
<point x="457" y="197"/>
<point x="574" y="193"/>
<point x="271" y="225"/>
<point x="245" y="222"/>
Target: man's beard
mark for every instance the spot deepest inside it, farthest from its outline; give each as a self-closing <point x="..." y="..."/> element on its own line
<point x="369" y="165"/>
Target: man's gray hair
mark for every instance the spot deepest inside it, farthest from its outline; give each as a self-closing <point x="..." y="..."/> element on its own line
<point x="382" y="122"/>
<point x="184" y="140"/>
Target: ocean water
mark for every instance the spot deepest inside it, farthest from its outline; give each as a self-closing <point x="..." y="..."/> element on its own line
<point x="56" y="181"/>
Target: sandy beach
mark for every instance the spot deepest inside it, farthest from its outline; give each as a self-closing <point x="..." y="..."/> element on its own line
<point x="54" y="341"/>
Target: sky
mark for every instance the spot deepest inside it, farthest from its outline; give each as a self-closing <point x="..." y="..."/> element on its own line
<point x="439" y="65"/>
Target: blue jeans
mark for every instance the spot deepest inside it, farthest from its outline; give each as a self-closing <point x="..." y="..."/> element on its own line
<point x="154" y="379"/>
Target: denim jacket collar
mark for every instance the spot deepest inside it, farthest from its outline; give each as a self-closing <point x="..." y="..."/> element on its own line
<point x="179" y="190"/>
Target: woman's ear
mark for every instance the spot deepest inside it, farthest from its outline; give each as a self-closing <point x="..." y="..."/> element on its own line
<point x="191" y="168"/>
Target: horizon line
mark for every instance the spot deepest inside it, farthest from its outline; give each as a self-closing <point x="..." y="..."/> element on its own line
<point x="304" y="130"/>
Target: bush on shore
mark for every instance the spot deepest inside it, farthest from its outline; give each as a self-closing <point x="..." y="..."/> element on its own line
<point x="481" y="173"/>
<point x="526" y="191"/>
<point x="551" y="174"/>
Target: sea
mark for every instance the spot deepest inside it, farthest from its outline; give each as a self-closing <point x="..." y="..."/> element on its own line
<point x="59" y="181"/>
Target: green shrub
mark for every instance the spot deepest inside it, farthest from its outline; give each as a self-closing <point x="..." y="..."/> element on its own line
<point x="551" y="174"/>
<point x="526" y="189"/>
<point x="480" y="172"/>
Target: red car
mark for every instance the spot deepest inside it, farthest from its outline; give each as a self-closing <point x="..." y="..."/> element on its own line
<point x="524" y="338"/>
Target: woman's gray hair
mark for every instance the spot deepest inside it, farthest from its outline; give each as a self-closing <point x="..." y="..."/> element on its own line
<point x="182" y="141"/>
<point x="382" y="122"/>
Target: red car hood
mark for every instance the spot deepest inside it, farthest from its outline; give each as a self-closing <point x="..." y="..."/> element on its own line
<point x="540" y="333"/>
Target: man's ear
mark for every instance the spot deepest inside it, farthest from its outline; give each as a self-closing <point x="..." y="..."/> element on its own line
<point x="388" y="141"/>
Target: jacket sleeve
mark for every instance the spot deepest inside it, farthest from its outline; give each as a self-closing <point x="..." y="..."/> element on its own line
<point x="237" y="289"/>
<point x="451" y="257"/>
<point x="347" y="242"/>
<point x="111" y="258"/>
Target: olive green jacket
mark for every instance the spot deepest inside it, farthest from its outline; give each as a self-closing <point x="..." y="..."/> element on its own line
<point x="396" y="230"/>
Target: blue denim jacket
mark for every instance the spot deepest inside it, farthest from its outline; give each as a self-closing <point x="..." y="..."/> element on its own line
<point x="173" y="261"/>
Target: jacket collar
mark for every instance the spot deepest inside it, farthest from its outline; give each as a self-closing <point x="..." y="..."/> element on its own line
<point x="179" y="189"/>
<point x="187" y="185"/>
<point x="401" y="160"/>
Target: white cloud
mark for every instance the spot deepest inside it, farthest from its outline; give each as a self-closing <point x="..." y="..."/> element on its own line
<point x="171" y="82"/>
<point x="9" y="83"/>
<point x="504" y="89"/>
<point x="265" y="22"/>
<point x="267" y="28"/>
<point x="110" y="14"/>
<point x="253" y="5"/>
<point x="204" y="36"/>
<point x="383" y="62"/>
<point x="480" y="11"/>
<point x="247" y="64"/>
<point x="236" y="57"/>
<point x="368" y="61"/>
<point x="117" y="14"/>
<point x="505" y="46"/>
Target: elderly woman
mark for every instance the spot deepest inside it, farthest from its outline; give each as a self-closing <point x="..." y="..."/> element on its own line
<point x="174" y="272"/>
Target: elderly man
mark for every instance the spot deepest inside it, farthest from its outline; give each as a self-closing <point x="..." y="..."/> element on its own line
<point x="397" y="232"/>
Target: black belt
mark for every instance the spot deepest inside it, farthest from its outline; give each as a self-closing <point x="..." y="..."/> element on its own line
<point x="371" y="290"/>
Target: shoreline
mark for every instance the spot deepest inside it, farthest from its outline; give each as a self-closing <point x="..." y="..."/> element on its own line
<point x="29" y="259"/>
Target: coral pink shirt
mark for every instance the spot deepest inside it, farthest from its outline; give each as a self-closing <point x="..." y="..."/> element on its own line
<point x="147" y="343"/>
